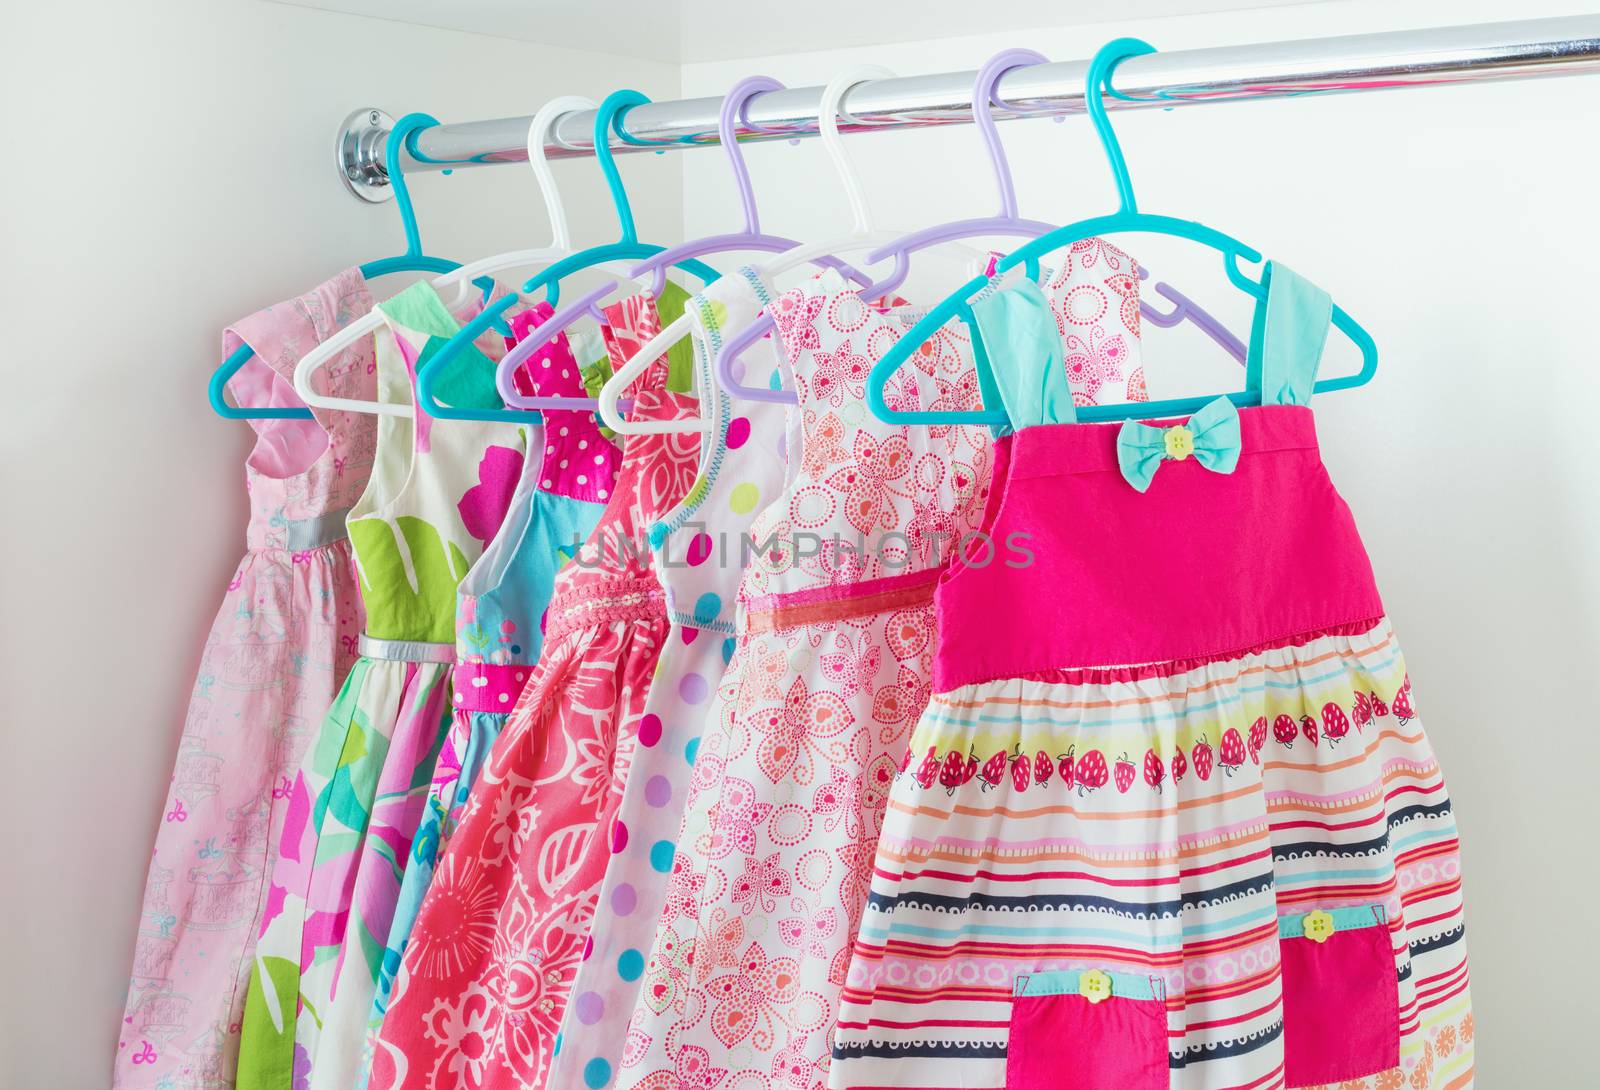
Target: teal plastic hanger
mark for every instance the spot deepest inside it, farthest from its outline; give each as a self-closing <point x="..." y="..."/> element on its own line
<point x="626" y="248"/>
<point x="1126" y="218"/>
<point x="412" y="260"/>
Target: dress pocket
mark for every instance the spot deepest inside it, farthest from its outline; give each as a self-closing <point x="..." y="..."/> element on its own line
<point x="1341" y="995"/>
<point x="1087" y="1030"/>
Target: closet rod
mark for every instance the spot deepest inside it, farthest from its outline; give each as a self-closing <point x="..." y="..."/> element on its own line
<point x="1359" y="62"/>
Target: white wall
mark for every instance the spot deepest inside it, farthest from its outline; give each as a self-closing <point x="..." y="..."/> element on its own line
<point x="169" y="169"/>
<point x="1459" y="226"/>
<point x="169" y="172"/>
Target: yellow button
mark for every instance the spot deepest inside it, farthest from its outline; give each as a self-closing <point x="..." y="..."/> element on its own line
<point x="1094" y="986"/>
<point x="1180" y="442"/>
<point x="1317" y="926"/>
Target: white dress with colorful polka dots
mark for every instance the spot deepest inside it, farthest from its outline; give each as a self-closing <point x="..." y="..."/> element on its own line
<point x="700" y="552"/>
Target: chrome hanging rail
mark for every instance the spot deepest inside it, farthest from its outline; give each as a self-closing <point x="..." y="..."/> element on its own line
<point x="1359" y="62"/>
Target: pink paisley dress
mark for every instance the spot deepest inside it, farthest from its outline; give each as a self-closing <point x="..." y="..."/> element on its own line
<point x="484" y="982"/>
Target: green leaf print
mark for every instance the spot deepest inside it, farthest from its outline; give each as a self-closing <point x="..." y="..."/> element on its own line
<point x="397" y="608"/>
<point x="355" y="748"/>
<point x="266" y="1045"/>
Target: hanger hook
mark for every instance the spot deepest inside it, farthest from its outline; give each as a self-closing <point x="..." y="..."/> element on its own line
<point x="983" y="100"/>
<point x="734" y="105"/>
<point x="1097" y="85"/>
<point x="539" y="129"/>
<point x="828" y="129"/>
<point x="607" y="118"/>
<point x="399" y="137"/>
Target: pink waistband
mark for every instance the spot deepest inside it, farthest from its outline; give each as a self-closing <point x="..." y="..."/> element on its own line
<point x="1202" y="565"/>
<point x="487" y="686"/>
<point x="819" y="605"/>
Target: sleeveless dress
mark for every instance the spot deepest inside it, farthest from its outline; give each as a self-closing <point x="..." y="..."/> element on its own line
<point x="437" y="495"/>
<point x="699" y="556"/>
<point x="485" y="979"/>
<point x="1094" y="296"/>
<point x="281" y="645"/>
<point x="1172" y="821"/>
<point x="501" y="606"/>
<point x="828" y="674"/>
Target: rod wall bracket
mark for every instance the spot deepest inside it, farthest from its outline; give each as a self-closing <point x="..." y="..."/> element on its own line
<point x="358" y="151"/>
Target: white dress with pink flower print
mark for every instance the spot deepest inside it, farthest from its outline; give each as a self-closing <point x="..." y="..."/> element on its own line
<point x="1094" y="296"/>
<point x="830" y="671"/>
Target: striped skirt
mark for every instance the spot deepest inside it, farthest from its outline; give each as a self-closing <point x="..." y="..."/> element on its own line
<point x="1210" y="869"/>
<point x="1188" y="837"/>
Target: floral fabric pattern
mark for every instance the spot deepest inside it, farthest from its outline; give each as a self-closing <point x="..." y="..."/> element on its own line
<point x="485" y="980"/>
<point x="784" y="805"/>
<point x="359" y="794"/>
<point x="501" y="611"/>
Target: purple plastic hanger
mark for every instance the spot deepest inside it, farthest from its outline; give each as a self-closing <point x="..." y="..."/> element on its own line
<point x="730" y="366"/>
<point x="735" y="107"/>
<point x="1184" y="308"/>
<point x="1006" y="222"/>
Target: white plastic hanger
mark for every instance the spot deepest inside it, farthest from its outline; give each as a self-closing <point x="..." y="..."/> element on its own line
<point x="863" y="236"/>
<point x="560" y="247"/>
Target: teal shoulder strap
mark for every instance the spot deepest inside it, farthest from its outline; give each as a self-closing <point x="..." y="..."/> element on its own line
<point x="1017" y="334"/>
<point x="420" y="308"/>
<point x="469" y="383"/>
<point x="1287" y="337"/>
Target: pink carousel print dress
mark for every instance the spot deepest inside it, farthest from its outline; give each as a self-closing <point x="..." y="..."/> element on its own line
<point x="281" y="646"/>
<point x="484" y="982"/>
<point x="700" y="547"/>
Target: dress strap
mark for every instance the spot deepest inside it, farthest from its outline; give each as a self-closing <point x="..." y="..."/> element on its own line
<point x="1018" y="338"/>
<point x="469" y="383"/>
<point x="1287" y="337"/>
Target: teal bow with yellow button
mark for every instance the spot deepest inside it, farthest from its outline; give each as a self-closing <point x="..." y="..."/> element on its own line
<point x="1210" y="435"/>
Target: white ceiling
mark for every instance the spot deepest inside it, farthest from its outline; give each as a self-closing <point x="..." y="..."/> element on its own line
<point x="686" y="31"/>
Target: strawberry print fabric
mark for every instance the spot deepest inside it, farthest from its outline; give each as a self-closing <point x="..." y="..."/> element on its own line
<point x="1241" y="811"/>
<point x="281" y="645"/>
<point x="486" y="977"/>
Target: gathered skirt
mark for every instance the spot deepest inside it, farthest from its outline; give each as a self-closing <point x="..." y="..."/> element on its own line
<point x="282" y="643"/>
<point x="1170" y="820"/>
<point x="488" y="972"/>
<point x="353" y="810"/>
